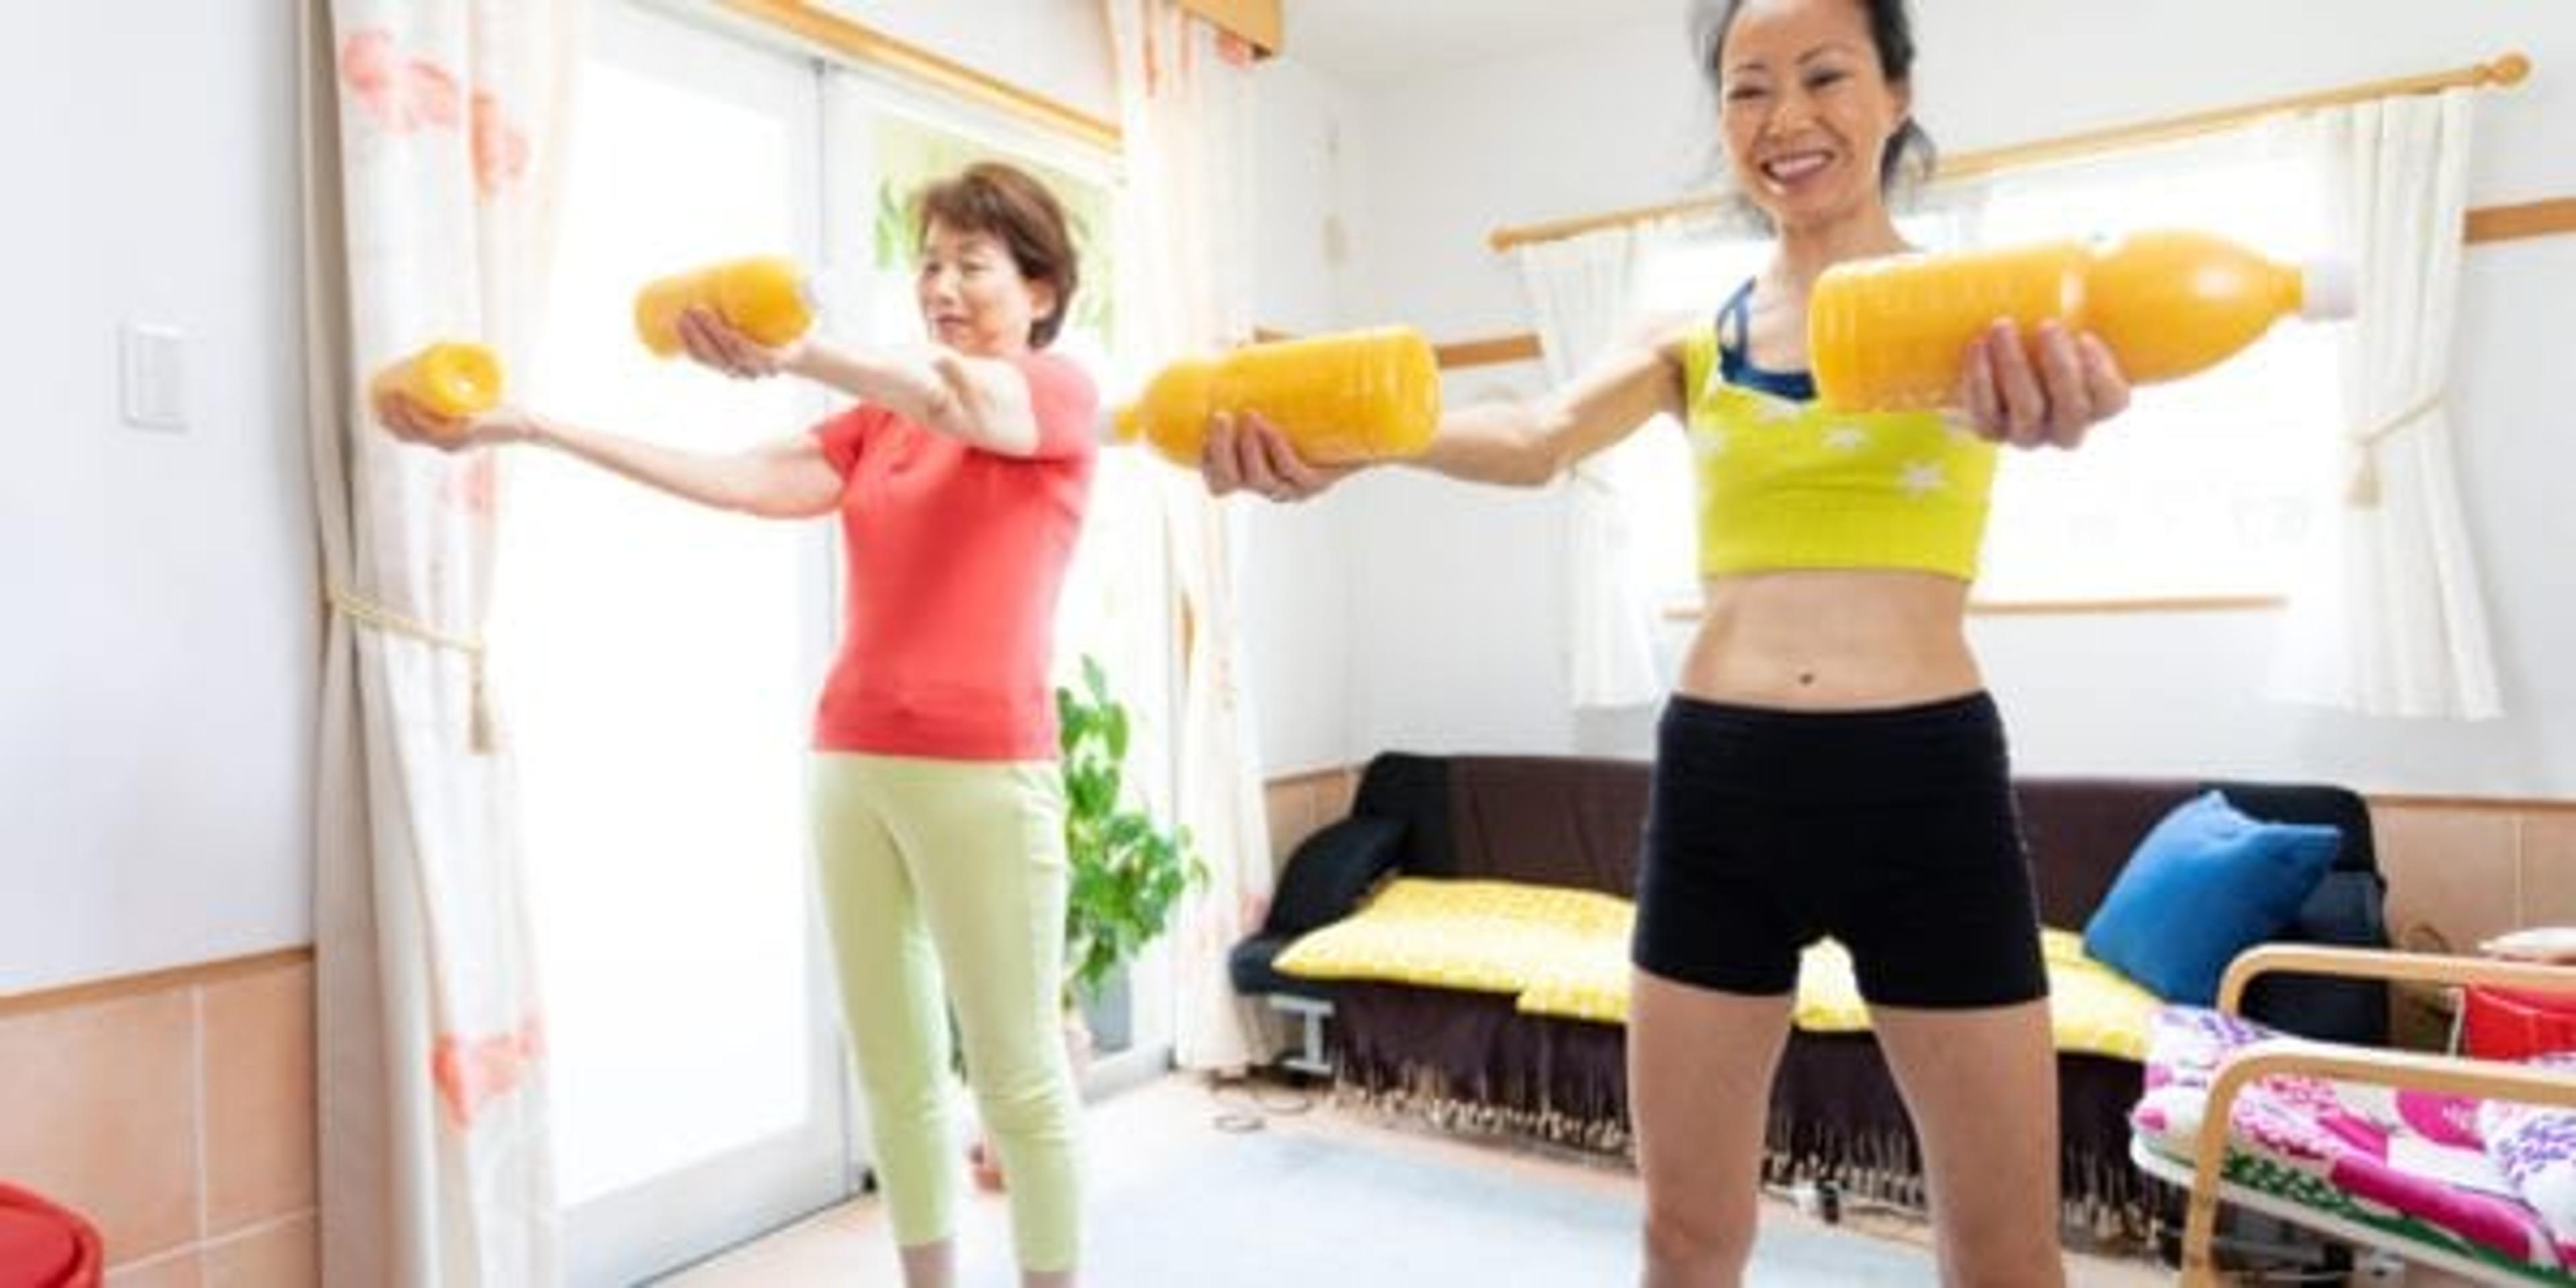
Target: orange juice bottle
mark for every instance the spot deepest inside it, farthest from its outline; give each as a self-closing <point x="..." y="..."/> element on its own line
<point x="1890" y="334"/>
<point x="1355" y="396"/>
<point x="451" y="379"/>
<point x="763" y="297"/>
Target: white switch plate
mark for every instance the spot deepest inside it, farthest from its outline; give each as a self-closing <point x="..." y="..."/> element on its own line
<point x="155" y="377"/>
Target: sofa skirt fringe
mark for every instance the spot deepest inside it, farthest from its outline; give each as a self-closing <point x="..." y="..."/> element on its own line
<point x="1471" y="1064"/>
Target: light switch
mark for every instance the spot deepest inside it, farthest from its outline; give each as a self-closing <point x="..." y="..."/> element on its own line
<point x="155" y="377"/>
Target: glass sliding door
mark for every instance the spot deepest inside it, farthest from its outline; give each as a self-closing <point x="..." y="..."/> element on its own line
<point x="661" y="663"/>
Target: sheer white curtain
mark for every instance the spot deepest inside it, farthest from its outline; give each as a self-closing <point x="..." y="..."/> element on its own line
<point x="2388" y="620"/>
<point x="1582" y="293"/>
<point x="430" y="133"/>
<point x="1185" y="109"/>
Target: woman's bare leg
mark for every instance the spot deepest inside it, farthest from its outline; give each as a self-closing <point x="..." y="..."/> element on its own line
<point x="1699" y="1088"/>
<point x="1981" y="1086"/>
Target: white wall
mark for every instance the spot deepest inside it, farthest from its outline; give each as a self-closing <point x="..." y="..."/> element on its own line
<point x="1454" y="594"/>
<point x="1058" y="48"/>
<point x="1295" y="599"/>
<point x="1399" y="610"/>
<point x="157" y="665"/>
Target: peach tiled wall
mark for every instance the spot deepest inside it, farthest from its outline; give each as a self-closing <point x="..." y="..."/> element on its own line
<point x="176" y="1111"/>
<point x="1301" y="805"/>
<point x="2460" y="871"/>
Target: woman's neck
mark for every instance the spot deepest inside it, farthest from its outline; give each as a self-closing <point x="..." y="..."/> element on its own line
<point x="1805" y="252"/>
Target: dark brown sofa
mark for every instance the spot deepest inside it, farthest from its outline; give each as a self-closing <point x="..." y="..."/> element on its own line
<point x="1469" y="1060"/>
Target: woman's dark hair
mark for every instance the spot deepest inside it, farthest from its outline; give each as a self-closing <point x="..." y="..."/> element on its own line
<point x="1004" y="202"/>
<point x="1909" y="154"/>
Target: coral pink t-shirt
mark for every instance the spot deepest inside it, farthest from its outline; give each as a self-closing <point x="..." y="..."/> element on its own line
<point x="956" y="556"/>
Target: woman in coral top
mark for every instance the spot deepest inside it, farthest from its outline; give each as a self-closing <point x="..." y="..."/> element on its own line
<point x="960" y="479"/>
<point x="1830" y="763"/>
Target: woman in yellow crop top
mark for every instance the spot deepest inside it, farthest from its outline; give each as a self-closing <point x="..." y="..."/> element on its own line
<point x="1830" y="763"/>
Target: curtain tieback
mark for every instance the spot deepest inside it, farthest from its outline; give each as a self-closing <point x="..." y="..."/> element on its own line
<point x="2361" y="490"/>
<point x="374" y="616"/>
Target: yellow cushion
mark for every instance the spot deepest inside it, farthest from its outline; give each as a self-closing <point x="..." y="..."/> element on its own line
<point x="2092" y="1008"/>
<point x="1482" y="936"/>
<point x="1564" y="952"/>
<point x="1593" y="985"/>
<point x="1828" y="993"/>
<point x="1589" y="981"/>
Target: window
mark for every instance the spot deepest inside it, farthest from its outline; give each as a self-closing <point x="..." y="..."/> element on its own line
<point x="2205" y="488"/>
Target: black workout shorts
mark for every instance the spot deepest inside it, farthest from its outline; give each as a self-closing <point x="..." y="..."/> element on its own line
<point x="1893" y="831"/>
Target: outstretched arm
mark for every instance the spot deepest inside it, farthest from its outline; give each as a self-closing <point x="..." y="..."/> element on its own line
<point x="1524" y="443"/>
<point x="784" y="479"/>
<point x="982" y="402"/>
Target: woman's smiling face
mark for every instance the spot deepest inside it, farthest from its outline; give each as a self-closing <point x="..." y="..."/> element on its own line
<point x="1805" y="109"/>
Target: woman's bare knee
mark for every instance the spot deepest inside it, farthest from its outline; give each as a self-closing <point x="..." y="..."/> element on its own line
<point x="1691" y="1248"/>
<point x="2014" y="1275"/>
<point x="2001" y="1259"/>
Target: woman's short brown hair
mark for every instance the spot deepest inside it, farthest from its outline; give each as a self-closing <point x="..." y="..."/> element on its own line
<point x="1004" y="202"/>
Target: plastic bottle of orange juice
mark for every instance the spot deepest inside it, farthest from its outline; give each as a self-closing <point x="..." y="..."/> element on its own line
<point x="451" y="378"/>
<point x="1890" y="334"/>
<point x="764" y="297"/>
<point x="1353" y="396"/>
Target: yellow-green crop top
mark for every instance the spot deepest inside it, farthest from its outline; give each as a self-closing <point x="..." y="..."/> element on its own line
<point x="1785" y="485"/>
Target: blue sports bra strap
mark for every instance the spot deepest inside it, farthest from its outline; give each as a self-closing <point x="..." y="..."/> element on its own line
<point x="1730" y="353"/>
<point x="1737" y="309"/>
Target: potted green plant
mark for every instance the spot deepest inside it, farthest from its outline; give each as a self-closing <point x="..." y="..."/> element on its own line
<point x="1128" y="871"/>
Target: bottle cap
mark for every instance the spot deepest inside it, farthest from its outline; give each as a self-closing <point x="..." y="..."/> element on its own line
<point x="2327" y="290"/>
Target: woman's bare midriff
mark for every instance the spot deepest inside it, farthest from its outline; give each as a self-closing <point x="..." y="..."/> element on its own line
<point x="1831" y="640"/>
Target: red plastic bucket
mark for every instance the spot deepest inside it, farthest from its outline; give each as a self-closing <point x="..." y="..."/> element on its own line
<point x="2510" y="1023"/>
<point x="45" y="1246"/>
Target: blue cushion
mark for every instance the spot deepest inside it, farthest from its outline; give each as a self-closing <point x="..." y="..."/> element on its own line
<point x="2206" y="884"/>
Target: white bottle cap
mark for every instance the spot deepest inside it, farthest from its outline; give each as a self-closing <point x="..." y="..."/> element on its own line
<point x="2327" y="290"/>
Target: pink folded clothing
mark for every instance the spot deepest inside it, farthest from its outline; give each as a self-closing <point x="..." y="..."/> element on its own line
<point x="2375" y="1154"/>
<point x="2536" y="1147"/>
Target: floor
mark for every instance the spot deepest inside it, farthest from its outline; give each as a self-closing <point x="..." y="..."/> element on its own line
<point x="847" y="1247"/>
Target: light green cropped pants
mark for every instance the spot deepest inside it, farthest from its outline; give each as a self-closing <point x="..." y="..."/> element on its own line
<point x="954" y="871"/>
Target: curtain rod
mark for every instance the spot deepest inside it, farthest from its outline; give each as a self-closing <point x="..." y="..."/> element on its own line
<point x="2484" y="225"/>
<point x="2508" y="70"/>
<point x="865" y="44"/>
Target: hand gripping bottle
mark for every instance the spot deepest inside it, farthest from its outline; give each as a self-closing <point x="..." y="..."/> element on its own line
<point x="450" y="379"/>
<point x="763" y="297"/>
<point x="1890" y="334"/>
<point x="1357" y="396"/>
